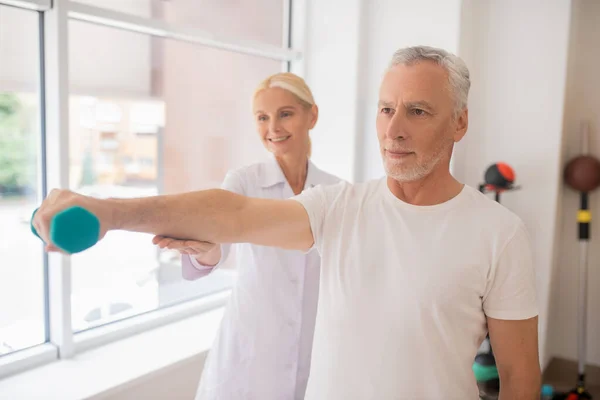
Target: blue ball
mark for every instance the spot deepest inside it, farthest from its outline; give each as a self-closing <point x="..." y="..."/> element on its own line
<point x="547" y="390"/>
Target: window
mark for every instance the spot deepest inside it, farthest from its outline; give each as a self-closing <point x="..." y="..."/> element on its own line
<point x="147" y="161"/>
<point x="197" y="100"/>
<point x="22" y="319"/>
<point x="159" y="97"/>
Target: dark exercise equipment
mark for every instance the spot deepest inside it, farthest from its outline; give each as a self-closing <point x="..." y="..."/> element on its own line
<point x="72" y="230"/>
<point x="498" y="178"/>
<point x="486" y="374"/>
<point x="582" y="174"/>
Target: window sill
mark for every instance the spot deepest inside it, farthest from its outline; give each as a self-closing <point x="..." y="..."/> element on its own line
<point x="117" y="365"/>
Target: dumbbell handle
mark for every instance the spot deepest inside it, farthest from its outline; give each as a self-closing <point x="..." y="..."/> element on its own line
<point x="72" y="230"/>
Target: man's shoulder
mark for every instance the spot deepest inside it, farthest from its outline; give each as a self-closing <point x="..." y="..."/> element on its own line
<point x="341" y="194"/>
<point x="352" y="190"/>
<point x="485" y="204"/>
<point x="491" y="214"/>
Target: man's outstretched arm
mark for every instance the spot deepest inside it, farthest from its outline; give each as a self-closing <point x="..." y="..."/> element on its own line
<point x="215" y="215"/>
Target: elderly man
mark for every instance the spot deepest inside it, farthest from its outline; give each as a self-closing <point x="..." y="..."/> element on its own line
<point x="416" y="267"/>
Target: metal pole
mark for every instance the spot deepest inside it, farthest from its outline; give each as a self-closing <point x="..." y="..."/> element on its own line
<point x="585" y="138"/>
<point x="582" y="317"/>
<point x="584" y="220"/>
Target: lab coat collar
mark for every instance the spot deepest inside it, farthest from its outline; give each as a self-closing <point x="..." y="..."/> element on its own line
<point x="274" y="175"/>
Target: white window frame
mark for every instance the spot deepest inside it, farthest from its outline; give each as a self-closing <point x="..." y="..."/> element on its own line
<point x="62" y="342"/>
<point x="158" y="28"/>
<point x="36" y="5"/>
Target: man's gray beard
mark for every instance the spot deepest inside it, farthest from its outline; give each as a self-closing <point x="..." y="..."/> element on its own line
<point x="419" y="171"/>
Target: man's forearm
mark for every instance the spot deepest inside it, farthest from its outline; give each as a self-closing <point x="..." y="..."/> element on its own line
<point x="520" y="389"/>
<point x="208" y="215"/>
<point x="215" y="216"/>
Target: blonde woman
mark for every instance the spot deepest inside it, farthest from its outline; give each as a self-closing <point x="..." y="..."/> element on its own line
<point x="264" y="346"/>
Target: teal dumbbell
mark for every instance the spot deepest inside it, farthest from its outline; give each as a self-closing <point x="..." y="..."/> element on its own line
<point x="72" y="230"/>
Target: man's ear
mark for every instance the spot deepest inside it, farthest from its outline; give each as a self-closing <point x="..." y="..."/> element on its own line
<point x="462" y="124"/>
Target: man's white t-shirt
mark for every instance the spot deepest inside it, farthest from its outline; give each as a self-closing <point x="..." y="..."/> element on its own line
<point x="405" y="290"/>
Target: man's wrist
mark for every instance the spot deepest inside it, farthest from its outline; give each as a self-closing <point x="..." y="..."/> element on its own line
<point x="110" y="212"/>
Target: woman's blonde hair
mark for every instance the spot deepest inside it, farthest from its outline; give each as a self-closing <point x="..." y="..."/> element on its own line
<point x="293" y="84"/>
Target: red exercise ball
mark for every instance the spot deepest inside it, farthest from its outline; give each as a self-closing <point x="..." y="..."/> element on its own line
<point x="582" y="173"/>
<point x="499" y="176"/>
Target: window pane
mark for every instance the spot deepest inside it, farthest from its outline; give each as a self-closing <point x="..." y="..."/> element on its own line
<point x="151" y="116"/>
<point x="21" y="253"/>
<point x="256" y="20"/>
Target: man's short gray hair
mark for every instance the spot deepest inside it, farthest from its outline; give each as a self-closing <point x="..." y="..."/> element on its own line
<point x="458" y="73"/>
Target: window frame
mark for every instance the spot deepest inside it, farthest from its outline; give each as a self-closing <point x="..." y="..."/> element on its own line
<point x="35" y="5"/>
<point x="54" y="16"/>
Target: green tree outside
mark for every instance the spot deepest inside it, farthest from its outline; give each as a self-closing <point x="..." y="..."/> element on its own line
<point x="88" y="174"/>
<point x="17" y="145"/>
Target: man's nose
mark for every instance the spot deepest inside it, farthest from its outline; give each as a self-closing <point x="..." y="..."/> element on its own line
<point x="396" y="129"/>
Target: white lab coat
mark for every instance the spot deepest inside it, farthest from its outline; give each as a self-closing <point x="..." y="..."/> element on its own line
<point x="264" y="345"/>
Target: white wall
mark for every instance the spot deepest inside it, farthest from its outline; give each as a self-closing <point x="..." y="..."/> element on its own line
<point x="331" y="70"/>
<point x="178" y="382"/>
<point x="582" y="103"/>
<point x="517" y="53"/>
